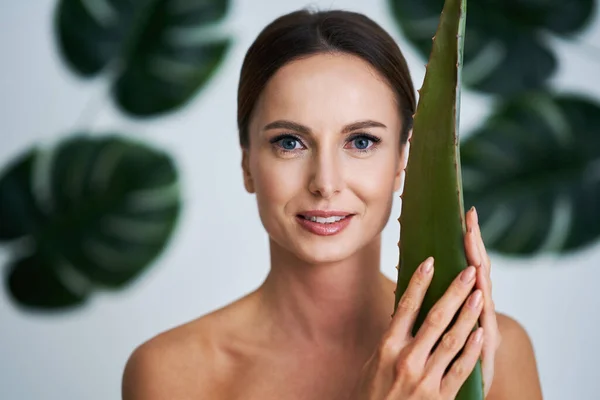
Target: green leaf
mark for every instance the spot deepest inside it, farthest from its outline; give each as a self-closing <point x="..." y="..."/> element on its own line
<point x="161" y="51"/>
<point x="432" y="219"/>
<point x="505" y="49"/>
<point x="18" y="214"/>
<point x="93" y="212"/>
<point x="533" y="172"/>
<point x="42" y="283"/>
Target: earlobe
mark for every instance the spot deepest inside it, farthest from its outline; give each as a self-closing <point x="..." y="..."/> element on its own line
<point x="248" y="181"/>
<point x="399" y="178"/>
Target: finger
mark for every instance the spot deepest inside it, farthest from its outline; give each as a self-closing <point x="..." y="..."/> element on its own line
<point x="411" y="300"/>
<point x="470" y="219"/>
<point x="488" y="316"/>
<point x="489" y="307"/>
<point x="472" y="250"/>
<point x="471" y="238"/>
<point x="485" y="258"/>
<point x="474" y="247"/>
<point x="454" y="340"/>
<point x="462" y="366"/>
<point x="443" y="311"/>
<point x="489" y="323"/>
<point x="474" y="258"/>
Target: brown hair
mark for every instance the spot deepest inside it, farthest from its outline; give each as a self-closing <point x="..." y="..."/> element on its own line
<point x="302" y="33"/>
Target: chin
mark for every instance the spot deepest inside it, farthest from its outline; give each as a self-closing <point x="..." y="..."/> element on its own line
<point x="325" y="253"/>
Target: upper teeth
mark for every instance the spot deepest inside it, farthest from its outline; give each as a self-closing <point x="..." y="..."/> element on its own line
<point x="328" y="220"/>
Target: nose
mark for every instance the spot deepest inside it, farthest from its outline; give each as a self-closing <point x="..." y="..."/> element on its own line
<point x="326" y="178"/>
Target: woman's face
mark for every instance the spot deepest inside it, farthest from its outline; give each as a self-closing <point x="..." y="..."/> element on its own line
<point x="324" y="142"/>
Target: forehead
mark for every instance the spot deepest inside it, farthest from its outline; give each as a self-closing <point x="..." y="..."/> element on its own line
<point x="326" y="90"/>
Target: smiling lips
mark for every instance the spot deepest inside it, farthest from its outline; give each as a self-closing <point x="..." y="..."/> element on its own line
<point x="324" y="223"/>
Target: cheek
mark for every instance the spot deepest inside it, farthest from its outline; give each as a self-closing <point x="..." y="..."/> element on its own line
<point x="277" y="182"/>
<point x="373" y="179"/>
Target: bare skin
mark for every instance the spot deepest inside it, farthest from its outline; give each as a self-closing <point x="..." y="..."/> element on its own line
<point x="313" y="326"/>
<point x="222" y="356"/>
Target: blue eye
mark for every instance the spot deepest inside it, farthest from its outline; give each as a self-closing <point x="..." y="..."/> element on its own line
<point x="361" y="143"/>
<point x="289" y="143"/>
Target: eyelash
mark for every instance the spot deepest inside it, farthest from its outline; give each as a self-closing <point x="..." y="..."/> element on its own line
<point x="352" y="137"/>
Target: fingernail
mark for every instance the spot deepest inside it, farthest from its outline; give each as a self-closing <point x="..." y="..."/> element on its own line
<point x="427" y="265"/>
<point x="478" y="335"/>
<point x="468" y="274"/>
<point x="475" y="215"/>
<point x="475" y="299"/>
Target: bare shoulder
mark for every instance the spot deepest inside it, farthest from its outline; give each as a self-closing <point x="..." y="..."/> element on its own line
<point x="185" y="362"/>
<point x="161" y="367"/>
<point x="516" y="374"/>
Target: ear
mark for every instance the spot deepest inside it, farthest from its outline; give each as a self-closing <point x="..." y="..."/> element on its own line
<point x="248" y="181"/>
<point x="403" y="160"/>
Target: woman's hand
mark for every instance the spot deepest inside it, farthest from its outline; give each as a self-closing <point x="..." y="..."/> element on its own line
<point x="477" y="256"/>
<point x="404" y="367"/>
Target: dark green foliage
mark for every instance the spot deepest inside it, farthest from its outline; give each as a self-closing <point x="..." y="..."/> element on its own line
<point x="533" y="172"/>
<point x="161" y="52"/>
<point x="506" y="48"/>
<point x="93" y="212"/>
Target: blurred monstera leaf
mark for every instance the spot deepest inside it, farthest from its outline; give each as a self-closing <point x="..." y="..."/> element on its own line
<point x="89" y="213"/>
<point x="161" y="52"/>
<point x="505" y="49"/>
<point x="533" y="172"/>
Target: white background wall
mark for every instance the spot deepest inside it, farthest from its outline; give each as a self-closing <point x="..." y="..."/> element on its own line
<point x="219" y="251"/>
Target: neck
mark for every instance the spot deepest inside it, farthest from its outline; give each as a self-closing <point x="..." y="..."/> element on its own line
<point x="338" y="304"/>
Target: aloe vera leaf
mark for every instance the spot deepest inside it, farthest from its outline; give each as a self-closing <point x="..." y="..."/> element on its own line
<point x="432" y="221"/>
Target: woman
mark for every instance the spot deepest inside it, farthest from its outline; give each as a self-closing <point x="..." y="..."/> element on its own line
<point x="325" y="107"/>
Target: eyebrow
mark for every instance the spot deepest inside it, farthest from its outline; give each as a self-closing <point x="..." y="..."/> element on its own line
<point x="283" y="124"/>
